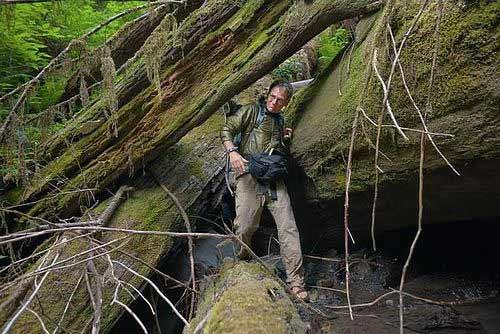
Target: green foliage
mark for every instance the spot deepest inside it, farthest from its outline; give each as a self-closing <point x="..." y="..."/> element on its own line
<point x="330" y="44"/>
<point x="288" y="70"/>
<point x="32" y="34"/>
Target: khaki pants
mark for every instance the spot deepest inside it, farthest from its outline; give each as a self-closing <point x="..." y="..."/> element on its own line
<point x="250" y="201"/>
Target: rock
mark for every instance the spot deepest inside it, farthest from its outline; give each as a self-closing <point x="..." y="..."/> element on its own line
<point x="313" y="295"/>
<point x="326" y="282"/>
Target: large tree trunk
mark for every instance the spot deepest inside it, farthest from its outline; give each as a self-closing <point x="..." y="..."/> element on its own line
<point x="226" y="48"/>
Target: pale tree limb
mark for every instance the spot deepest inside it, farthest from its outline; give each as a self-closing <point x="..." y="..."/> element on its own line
<point x="368" y="139"/>
<point x="375" y="301"/>
<point x="66" y="307"/>
<point x="346" y="209"/>
<point x="42" y="324"/>
<point x="18" y="294"/>
<point x="34" y="255"/>
<point x="132" y="313"/>
<point x="442" y="134"/>
<point x="106" y="215"/>
<point x="10" y="323"/>
<point x="385" y="88"/>
<point x="381" y="115"/>
<point x="141" y="261"/>
<point x="420" y="115"/>
<point x="111" y="229"/>
<point x="115" y="297"/>
<point x="139" y="293"/>
<point x="155" y="287"/>
<point x="420" y="175"/>
<point x="96" y="324"/>
<point x="58" y="267"/>
<point x="187" y="224"/>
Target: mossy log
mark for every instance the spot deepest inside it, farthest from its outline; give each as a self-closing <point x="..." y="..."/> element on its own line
<point x="226" y="46"/>
<point x="465" y="100"/>
<point x="127" y="41"/>
<point x="246" y="298"/>
<point x="191" y="169"/>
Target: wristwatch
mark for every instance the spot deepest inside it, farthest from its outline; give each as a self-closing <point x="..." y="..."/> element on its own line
<point x="232" y="149"/>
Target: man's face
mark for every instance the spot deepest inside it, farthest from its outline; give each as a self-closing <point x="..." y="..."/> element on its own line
<point x="276" y="100"/>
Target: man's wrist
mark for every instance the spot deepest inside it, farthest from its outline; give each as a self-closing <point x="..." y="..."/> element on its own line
<point x="232" y="149"/>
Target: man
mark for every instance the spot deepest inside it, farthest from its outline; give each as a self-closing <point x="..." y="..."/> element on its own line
<point x="252" y="196"/>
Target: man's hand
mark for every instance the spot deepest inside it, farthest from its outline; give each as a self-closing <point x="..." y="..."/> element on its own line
<point x="237" y="162"/>
<point x="287" y="133"/>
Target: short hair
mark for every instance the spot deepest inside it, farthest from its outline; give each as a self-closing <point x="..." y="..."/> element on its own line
<point x="283" y="84"/>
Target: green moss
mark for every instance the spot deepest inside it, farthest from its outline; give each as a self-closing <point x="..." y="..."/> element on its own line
<point x="13" y="195"/>
<point x="246" y="299"/>
<point x="464" y="97"/>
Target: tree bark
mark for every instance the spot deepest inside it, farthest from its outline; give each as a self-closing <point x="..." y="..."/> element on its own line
<point x="127" y="42"/>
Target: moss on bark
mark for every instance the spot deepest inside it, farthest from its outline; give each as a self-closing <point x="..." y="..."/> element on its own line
<point x="188" y="170"/>
<point x="245" y="298"/>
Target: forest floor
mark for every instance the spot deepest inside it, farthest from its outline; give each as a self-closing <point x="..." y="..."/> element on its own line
<point x="372" y="277"/>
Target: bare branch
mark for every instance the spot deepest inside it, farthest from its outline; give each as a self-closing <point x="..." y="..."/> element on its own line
<point x="68" y="303"/>
<point x="187" y="224"/>
<point x="38" y="285"/>
<point x="155" y="287"/>
<point x="381" y="114"/>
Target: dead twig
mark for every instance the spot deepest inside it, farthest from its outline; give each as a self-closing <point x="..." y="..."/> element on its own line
<point x="66" y="307"/>
<point x="381" y="114"/>
<point x="187" y="225"/>
<point x="322" y="258"/>
<point x="346" y="208"/>
<point x="155" y="287"/>
<point x="37" y="286"/>
<point x="326" y="288"/>
<point x="420" y="173"/>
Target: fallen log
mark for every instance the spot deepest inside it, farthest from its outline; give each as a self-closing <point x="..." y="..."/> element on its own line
<point x="245" y="298"/>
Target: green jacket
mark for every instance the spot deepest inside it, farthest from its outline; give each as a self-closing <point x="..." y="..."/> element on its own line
<point x="268" y="135"/>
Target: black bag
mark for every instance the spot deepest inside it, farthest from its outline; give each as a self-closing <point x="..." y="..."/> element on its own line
<point x="268" y="168"/>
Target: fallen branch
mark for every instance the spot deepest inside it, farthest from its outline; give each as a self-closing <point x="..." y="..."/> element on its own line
<point x="187" y="224"/>
<point x="38" y="285"/>
<point x="155" y="287"/>
<point x="111" y="229"/>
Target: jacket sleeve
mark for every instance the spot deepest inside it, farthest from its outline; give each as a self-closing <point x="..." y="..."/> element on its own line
<point x="236" y="123"/>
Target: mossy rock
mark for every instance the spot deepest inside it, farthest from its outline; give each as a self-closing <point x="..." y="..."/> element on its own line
<point x="465" y="99"/>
